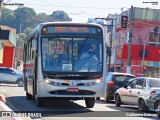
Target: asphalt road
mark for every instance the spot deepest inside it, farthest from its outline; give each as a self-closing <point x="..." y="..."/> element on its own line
<point x="70" y="110"/>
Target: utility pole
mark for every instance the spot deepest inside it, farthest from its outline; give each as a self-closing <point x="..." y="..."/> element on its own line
<point x="1" y="1"/>
<point x="109" y="62"/>
<point x="18" y="44"/>
<point x="128" y="69"/>
<point x="144" y="47"/>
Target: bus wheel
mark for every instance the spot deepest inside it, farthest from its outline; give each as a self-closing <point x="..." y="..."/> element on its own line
<point x="90" y="102"/>
<point x="28" y="96"/>
<point x="39" y="102"/>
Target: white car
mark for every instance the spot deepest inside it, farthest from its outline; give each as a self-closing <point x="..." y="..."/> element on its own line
<point x="11" y="75"/>
<point x="136" y="91"/>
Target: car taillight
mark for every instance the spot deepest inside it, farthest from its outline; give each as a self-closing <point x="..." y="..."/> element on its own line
<point x="153" y="92"/>
<point x="111" y="84"/>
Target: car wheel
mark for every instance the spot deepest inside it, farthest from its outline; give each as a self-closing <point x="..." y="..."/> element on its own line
<point x="97" y="98"/>
<point x="117" y="100"/>
<point x="90" y="102"/>
<point x="107" y="98"/>
<point x="158" y="111"/>
<point x="20" y="83"/>
<point x="142" y="106"/>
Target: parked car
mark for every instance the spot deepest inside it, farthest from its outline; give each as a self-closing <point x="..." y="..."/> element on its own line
<point x="115" y="80"/>
<point x="153" y="103"/>
<point x="136" y="91"/>
<point x="11" y="75"/>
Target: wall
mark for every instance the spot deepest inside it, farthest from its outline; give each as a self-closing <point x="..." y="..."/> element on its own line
<point x="8" y="57"/>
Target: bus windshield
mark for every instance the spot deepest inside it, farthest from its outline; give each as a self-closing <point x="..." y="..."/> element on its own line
<point x="72" y="54"/>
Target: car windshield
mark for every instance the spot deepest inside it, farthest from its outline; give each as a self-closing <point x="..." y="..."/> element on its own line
<point x="16" y="71"/>
<point x="154" y="82"/>
<point x="122" y="79"/>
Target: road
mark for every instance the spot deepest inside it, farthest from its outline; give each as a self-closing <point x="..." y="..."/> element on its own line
<point x="70" y="110"/>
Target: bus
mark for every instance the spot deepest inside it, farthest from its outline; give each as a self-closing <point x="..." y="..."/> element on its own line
<point x="54" y="68"/>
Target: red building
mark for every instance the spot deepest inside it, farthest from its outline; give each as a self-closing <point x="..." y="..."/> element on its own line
<point x="143" y="40"/>
<point x="7" y="46"/>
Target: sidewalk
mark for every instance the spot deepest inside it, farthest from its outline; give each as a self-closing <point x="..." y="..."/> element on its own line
<point x="6" y="112"/>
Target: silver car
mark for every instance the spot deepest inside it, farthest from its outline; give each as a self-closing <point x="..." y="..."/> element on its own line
<point x="136" y="91"/>
<point x="153" y="103"/>
<point x="11" y="75"/>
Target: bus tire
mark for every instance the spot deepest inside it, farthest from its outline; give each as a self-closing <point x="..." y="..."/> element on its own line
<point x="28" y="96"/>
<point x="39" y="102"/>
<point x="90" y="102"/>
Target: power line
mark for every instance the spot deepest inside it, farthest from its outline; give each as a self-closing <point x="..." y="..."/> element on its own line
<point x="69" y="6"/>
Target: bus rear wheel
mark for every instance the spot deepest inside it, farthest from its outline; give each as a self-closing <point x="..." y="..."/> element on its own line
<point x="90" y="102"/>
<point x="39" y="102"/>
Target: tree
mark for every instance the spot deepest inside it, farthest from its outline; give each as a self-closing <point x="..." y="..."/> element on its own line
<point x="25" y="19"/>
<point x="28" y="30"/>
<point x="8" y="18"/>
<point x="26" y="16"/>
<point x="60" y="16"/>
<point x="22" y="36"/>
<point x="42" y="16"/>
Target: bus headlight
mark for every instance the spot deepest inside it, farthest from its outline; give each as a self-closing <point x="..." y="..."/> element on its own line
<point x="52" y="83"/>
<point x="91" y="83"/>
<point x="98" y="81"/>
<point x="47" y="81"/>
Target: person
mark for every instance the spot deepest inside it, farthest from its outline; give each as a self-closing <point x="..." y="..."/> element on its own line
<point x="89" y="54"/>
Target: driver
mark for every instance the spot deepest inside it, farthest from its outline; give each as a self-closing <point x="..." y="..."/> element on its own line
<point x="89" y="54"/>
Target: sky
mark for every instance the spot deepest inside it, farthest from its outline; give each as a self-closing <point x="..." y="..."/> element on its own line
<point x="81" y="10"/>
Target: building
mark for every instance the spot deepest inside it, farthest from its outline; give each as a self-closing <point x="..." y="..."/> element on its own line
<point x="7" y="46"/>
<point x="145" y="44"/>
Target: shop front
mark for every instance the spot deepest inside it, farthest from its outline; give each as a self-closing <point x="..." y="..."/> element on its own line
<point x="7" y="46"/>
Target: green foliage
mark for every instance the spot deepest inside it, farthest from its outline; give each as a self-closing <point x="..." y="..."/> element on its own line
<point x="60" y="16"/>
<point x="22" y="36"/>
<point x="26" y="19"/>
<point x="28" y="30"/>
<point x="26" y="16"/>
<point x="8" y="18"/>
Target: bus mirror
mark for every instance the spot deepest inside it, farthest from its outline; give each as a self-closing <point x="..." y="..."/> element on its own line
<point x="34" y="44"/>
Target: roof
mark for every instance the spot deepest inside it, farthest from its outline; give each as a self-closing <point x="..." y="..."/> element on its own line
<point x="119" y="73"/>
<point x="148" y="78"/>
<point x="39" y="27"/>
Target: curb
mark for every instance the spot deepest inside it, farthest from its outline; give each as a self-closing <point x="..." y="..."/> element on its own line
<point x="6" y="112"/>
<point x="2" y="98"/>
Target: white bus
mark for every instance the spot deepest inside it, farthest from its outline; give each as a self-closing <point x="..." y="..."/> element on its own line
<point x="64" y="60"/>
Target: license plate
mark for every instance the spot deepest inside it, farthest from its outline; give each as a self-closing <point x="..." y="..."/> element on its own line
<point x="72" y="89"/>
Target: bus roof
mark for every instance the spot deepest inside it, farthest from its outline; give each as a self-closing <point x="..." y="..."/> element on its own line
<point x="38" y="28"/>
